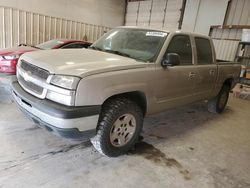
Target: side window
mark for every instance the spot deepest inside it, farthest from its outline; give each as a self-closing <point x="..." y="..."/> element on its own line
<point x="74" y="45"/>
<point x="204" y="51"/>
<point x="181" y="45"/>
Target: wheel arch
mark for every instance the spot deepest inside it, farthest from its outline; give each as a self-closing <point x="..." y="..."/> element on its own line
<point x="228" y="82"/>
<point x="138" y="97"/>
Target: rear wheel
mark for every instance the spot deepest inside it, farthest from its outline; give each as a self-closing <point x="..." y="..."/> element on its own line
<point x="218" y="103"/>
<point x="118" y="128"/>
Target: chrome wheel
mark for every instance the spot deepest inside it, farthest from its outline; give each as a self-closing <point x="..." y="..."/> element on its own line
<point x="123" y="130"/>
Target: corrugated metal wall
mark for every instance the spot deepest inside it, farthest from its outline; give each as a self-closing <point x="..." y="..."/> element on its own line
<point x="225" y="49"/>
<point x="226" y="34"/>
<point x="199" y="15"/>
<point x="226" y="40"/>
<point x="238" y="13"/>
<point x="154" y="13"/>
<point x="132" y="13"/>
<point x="18" y="26"/>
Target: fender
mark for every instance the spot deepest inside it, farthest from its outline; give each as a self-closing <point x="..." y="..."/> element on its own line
<point x="98" y="88"/>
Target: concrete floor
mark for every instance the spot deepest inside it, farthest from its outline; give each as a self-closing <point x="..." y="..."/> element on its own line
<point x="187" y="147"/>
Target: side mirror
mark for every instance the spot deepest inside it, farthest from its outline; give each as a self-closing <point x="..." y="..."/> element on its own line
<point x="171" y="59"/>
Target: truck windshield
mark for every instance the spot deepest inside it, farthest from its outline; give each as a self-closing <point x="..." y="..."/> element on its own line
<point x="139" y="44"/>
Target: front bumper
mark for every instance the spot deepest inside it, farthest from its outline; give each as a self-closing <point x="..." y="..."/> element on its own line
<point x="69" y="122"/>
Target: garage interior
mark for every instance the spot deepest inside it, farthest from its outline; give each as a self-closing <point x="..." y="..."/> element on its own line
<point x="183" y="147"/>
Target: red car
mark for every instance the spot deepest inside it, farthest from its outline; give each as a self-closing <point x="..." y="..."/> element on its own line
<point x="9" y="57"/>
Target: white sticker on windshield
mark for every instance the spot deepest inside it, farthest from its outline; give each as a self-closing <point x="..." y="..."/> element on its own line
<point x="156" y="34"/>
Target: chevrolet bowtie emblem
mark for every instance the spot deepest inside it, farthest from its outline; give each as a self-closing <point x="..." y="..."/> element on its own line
<point x="26" y="76"/>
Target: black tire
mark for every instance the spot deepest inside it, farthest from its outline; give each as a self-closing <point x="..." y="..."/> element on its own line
<point x="218" y="103"/>
<point x="111" y="112"/>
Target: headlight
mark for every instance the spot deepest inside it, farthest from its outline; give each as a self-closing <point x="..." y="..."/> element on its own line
<point x="64" y="93"/>
<point x="11" y="57"/>
<point x="68" y="82"/>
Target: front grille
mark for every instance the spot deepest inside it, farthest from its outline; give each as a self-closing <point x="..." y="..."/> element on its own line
<point x="36" y="71"/>
<point x="30" y="86"/>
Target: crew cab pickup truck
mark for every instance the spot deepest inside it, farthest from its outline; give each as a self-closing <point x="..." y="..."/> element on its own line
<point x="104" y="92"/>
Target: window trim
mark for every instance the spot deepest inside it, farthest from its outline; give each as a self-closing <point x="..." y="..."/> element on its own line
<point x="191" y="45"/>
<point x="211" y="47"/>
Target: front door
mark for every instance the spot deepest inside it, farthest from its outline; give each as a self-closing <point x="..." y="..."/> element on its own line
<point x="175" y="85"/>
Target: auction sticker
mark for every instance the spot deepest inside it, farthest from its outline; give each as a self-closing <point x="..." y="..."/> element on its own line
<point x="156" y="34"/>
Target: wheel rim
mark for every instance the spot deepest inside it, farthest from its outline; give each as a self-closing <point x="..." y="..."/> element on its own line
<point x="123" y="130"/>
<point x="223" y="99"/>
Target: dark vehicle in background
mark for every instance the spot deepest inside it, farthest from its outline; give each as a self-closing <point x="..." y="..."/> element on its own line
<point x="9" y="57"/>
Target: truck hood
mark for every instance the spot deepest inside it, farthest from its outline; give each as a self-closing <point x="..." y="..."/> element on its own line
<point x="80" y="62"/>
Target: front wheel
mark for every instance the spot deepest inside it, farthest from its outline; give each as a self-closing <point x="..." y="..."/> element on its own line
<point x="119" y="127"/>
<point x="218" y="103"/>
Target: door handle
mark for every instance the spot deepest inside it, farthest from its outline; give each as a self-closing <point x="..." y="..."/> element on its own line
<point x="211" y="71"/>
<point x="191" y="74"/>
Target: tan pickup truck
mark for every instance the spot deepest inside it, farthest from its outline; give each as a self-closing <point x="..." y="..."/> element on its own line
<point x="104" y="92"/>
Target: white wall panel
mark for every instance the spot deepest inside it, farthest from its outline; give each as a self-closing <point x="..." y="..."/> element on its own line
<point x="108" y="13"/>
<point x="201" y="14"/>
<point x="227" y="34"/>
<point x="19" y="26"/>
<point x="172" y="15"/>
<point x="226" y="42"/>
<point x="238" y="13"/>
<point x="144" y="13"/>
<point x="154" y="13"/>
<point x="158" y="13"/>
<point x="190" y="15"/>
<point x="245" y="16"/>
<point x="132" y="13"/>
<point x="225" y="49"/>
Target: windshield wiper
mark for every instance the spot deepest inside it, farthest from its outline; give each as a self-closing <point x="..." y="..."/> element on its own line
<point x="28" y="45"/>
<point x="118" y="53"/>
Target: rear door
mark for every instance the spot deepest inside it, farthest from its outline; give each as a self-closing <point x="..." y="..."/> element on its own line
<point x="175" y="85"/>
<point x="207" y="68"/>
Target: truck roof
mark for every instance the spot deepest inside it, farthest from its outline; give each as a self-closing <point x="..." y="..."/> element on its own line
<point x="168" y="31"/>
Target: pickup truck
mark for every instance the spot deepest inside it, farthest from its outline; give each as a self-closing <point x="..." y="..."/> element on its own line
<point x="104" y="92"/>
